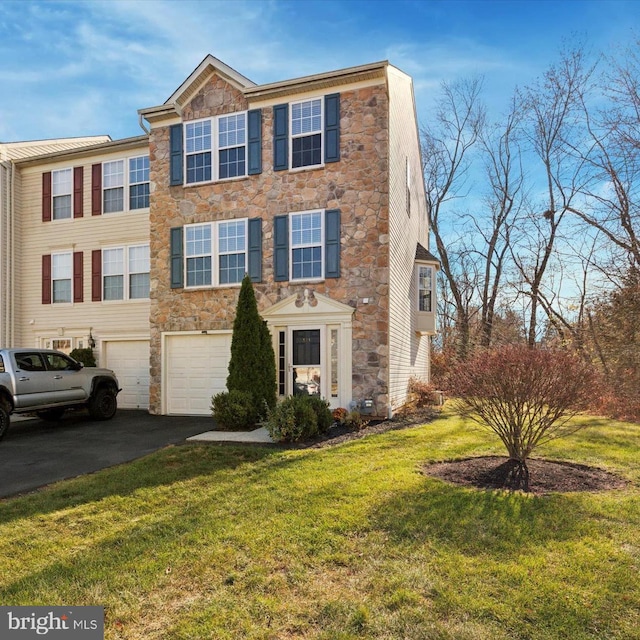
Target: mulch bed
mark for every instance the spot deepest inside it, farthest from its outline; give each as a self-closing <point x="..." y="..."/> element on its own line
<point x="545" y="477"/>
<point x="484" y="472"/>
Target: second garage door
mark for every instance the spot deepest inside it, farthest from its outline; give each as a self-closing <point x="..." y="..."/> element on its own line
<point x="196" y="369"/>
<point x="130" y="360"/>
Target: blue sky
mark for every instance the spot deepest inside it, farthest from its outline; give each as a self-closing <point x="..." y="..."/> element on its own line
<point x="84" y="68"/>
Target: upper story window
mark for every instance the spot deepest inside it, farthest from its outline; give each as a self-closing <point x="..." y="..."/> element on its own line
<point x="215" y="253"/>
<point x="216" y="148"/>
<point x="306" y="133"/>
<point x="62" y="190"/>
<point x="139" y="182"/>
<point x="113" y="186"/>
<point x="120" y="185"/>
<point x="61" y="276"/>
<point x="125" y="273"/>
<point x="425" y="285"/>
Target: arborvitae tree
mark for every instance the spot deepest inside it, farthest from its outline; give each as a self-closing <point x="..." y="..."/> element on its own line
<point x="252" y="363"/>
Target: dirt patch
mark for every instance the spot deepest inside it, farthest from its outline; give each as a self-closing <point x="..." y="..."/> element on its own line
<point x="545" y="476"/>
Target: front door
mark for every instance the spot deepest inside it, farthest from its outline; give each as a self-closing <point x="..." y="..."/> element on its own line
<point x="306" y="362"/>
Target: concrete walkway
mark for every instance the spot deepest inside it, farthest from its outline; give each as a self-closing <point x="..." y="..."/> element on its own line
<point x="260" y="436"/>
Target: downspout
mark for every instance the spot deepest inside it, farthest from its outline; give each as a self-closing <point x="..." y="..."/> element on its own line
<point x="140" y="122"/>
<point x="11" y="261"/>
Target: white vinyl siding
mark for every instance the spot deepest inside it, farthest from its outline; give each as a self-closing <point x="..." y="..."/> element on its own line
<point x="84" y="235"/>
<point x="408" y="351"/>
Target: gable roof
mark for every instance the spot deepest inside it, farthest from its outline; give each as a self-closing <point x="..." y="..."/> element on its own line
<point x="425" y="254"/>
<point x="201" y="74"/>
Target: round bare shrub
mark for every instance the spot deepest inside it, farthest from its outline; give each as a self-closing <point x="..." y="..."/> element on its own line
<point x="525" y="396"/>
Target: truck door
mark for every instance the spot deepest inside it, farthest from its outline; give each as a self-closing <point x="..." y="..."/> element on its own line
<point x="34" y="385"/>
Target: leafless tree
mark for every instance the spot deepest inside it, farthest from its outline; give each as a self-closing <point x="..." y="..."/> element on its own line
<point x="553" y="121"/>
<point x="446" y="147"/>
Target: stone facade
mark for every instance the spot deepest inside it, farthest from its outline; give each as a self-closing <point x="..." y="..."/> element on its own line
<point x="357" y="185"/>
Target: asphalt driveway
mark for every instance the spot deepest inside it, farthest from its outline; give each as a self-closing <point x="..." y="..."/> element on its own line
<point x="35" y="453"/>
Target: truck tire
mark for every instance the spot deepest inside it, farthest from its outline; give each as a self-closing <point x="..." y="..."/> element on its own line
<point x="103" y="404"/>
<point x="4" y="421"/>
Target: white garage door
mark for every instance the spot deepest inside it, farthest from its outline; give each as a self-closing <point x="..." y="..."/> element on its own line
<point x="130" y="360"/>
<point x="196" y="369"/>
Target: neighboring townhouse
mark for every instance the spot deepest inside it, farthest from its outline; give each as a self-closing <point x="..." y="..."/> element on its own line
<point x="314" y="187"/>
<point x="82" y="268"/>
<point x="11" y="223"/>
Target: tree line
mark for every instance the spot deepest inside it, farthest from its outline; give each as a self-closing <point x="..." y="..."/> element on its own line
<point x="536" y="217"/>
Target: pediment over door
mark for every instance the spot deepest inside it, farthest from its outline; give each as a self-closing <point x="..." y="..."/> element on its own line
<point x="309" y="304"/>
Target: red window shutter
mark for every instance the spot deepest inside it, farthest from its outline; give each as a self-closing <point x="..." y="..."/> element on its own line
<point x="46" y="197"/>
<point x="78" y="179"/>
<point x="96" y="189"/>
<point x="96" y="275"/>
<point x="78" y="277"/>
<point x="46" y="279"/>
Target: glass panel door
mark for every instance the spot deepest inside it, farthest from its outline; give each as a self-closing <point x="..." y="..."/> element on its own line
<point x="306" y="362"/>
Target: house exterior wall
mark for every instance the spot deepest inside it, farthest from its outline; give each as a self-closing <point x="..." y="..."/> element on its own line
<point x="408" y="224"/>
<point x="357" y="185"/>
<point x="105" y="320"/>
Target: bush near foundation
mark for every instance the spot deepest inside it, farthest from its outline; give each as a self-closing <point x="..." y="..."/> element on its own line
<point x="299" y="418"/>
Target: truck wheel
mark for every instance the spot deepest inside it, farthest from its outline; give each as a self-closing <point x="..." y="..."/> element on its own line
<point x="103" y="404"/>
<point x="51" y="415"/>
<point x="4" y="421"/>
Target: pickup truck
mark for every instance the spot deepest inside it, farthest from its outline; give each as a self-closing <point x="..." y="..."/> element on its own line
<point x="47" y="383"/>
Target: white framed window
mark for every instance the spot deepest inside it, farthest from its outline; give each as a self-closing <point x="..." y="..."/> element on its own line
<point x="62" y="277"/>
<point x="139" y="183"/>
<point x="306" y="126"/>
<point x="125" y="273"/>
<point x="113" y="186"/>
<point x="61" y="193"/>
<point x="425" y="287"/>
<point x="128" y="176"/>
<point x="215" y="253"/>
<point x="306" y="245"/>
<point x="216" y="148"/>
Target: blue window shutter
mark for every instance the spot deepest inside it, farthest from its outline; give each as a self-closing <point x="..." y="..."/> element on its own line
<point x="177" y="268"/>
<point x="281" y="248"/>
<point x="332" y="243"/>
<point x="280" y="137"/>
<point x="175" y="155"/>
<point x="332" y="128"/>
<point x="254" y="126"/>
<point x="255" y="249"/>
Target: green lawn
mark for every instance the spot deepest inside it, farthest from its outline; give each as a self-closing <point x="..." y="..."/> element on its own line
<point x="351" y="541"/>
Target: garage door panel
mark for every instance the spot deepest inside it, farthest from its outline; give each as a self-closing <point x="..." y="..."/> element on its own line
<point x="130" y="360"/>
<point x="196" y="370"/>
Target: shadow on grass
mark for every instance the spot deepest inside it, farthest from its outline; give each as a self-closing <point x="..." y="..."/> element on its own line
<point x="478" y="522"/>
<point x="161" y="468"/>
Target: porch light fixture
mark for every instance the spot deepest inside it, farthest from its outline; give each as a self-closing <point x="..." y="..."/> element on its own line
<point x="92" y="342"/>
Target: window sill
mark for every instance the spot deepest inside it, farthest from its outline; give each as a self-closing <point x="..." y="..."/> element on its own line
<point x="309" y="168"/>
<point x="186" y="185"/>
<point x="208" y="287"/>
